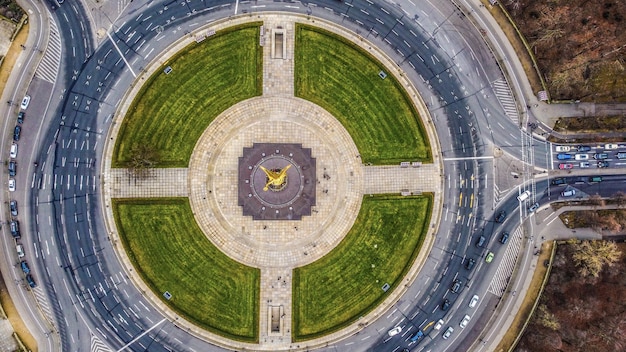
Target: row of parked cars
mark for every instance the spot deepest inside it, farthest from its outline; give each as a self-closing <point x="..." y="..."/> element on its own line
<point x="14" y="224"/>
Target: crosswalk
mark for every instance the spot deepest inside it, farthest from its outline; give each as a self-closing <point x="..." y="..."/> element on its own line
<point x="49" y="65"/>
<point x="505" y="269"/>
<point x="43" y="303"/>
<point x="505" y="97"/>
<point x="97" y="345"/>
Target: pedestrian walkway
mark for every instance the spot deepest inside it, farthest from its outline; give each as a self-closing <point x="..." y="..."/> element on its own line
<point x="48" y="68"/>
<point x="278" y="49"/>
<point x="396" y="179"/>
<point x="170" y="182"/>
<point x="507" y="264"/>
<point x="276" y="303"/>
<point x="505" y="97"/>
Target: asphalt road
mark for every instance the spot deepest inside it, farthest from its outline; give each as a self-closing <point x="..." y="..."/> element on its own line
<point x="91" y="298"/>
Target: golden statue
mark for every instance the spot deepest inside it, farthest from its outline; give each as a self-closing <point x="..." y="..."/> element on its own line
<point x="275" y="179"/>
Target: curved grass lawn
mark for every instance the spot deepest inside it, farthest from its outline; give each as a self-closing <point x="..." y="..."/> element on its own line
<point x="347" y="283"/>
<point x="343" y="79"/>
<point x="172" y="254"/>
<point x="172" y="111"/>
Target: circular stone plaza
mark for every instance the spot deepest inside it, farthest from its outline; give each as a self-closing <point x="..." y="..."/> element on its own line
<point x="275" y="182"/>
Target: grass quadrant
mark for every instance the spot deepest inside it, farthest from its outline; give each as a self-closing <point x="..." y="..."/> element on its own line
<point x="172" y="110"/>
<point x="346" y="284"/>
<point x="171" y="253"/>
<point x="343" y="79"/>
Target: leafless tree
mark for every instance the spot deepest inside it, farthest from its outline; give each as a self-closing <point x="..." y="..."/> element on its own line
<point x="143" y="159"/>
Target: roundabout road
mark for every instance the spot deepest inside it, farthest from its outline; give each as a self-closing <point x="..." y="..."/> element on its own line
<point x="93" y="302"/>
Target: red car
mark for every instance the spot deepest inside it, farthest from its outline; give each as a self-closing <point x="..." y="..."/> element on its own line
<point x="566" y="166"/>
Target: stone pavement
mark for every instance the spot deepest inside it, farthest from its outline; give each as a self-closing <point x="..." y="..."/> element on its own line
<point x="396" y="179"/>
<point x="278" y="38"/>
<point x="170" y="182"/>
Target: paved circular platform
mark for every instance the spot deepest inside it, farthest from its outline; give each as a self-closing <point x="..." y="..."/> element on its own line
<point x="213" y="182"/>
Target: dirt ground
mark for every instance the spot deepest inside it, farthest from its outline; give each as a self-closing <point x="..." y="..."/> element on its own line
<point x="580" y="45"/>
<point x="591" y="312"/>
<point x="5" y="300"/>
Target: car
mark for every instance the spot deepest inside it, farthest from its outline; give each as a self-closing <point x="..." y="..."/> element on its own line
<point x="12" y="168"/>
<point x="489" y="257"/>
<point x="621" y="155"/>
<point x="568" y="193"/>
<point x="13" y="207"/>
<point x="13" y="151"/>
<point x="445" y="304"/>
<point x="16" y="133"/>
<point x="584" y="164"/>
<point x="14" y="226"/>
<point x="525" y="195"/>
<point x="20" y="117"/>
<point x="501" y="216"/>
<point x="562" y="148"/>
<point x="601" y="156"/>
<point x="564" y="156"/>
<point x="583" y="148"/>
<point x="168" y="70"/>
<point x="611" y="146"/>
<point x="25" y="267"/>
<point x="566" y="166"/>
<point x="416" y="336"/>
<point x="581" y="156"/>
<point x="481" y="241"/>
<point x="20" y="251"/>
<point x="504" y="237"/>
<point x="438" y="325"/>
<point x="603" y="164"/>
<point x="595" y="179"/>
<point x="464" y="322"/>
<point x="470" y="264"/>
<point x="474" y="301"/>
<point x="25" y="102"/>
<point x="533" y="207"/>
<point x="395" y="331"/>
<point x="447" y="333"/>
<point x="11" y="185"/>
<point x="31" y="282"/>
<point x="456" y="286"/>
<point x="558" y="181"/>
<point x="405" y="350"/>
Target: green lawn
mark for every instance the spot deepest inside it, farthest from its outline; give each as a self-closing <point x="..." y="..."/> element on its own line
<point x="343" y="79"/>
<point x="172" y="254"/>
<point x="346" y="284"/>
<point x="172" y="111"/>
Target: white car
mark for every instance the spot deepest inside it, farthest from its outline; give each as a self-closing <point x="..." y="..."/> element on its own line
<point x="611" y="146"/>
<point x="11" y="185"/>
<point x="464" y="322"/>
<point x="569" y="193"/>
<point x="447" y="333"/>
<point x="25" y="102"/>
<point x="562" y="148"/>
<point x="395" y="331"/>
<point x="439" y="324"/>
<point x="584" y="164"/>
<point x="13" y="152"/>
<point x="474" y="301"/>
<point x="581" y="157"/>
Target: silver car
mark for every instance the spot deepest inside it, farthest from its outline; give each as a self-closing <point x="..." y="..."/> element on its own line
<point x="447" y="333"/>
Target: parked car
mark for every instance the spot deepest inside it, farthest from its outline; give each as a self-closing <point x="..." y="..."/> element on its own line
<point x="447" y="333"/>
<point x="611" y="146"/>
<point x="489" y="257"/>
<point x="20" y="117"/>
<point x="11" y="185"/>
<point x="601" y="156"/>
<point x="25" y="267"/>
<point x="20" y="251"/>
<point x="558" y="181"/>
<point x="12" y="168"/>
<point x="25" y="102"/>
<point x="474" y="301"/>
<point x="583" y="148"/>
<point x="602" y="164"/>
<point x="16" y="133"/>
<point x="31" y="281"/>
<point x="464" y="322"/>
<point x="562" y="148"/>
<point x="584" y="164"/>
<point x="395" y="331"/>
<point x="581" y="156"/>
<point x="504" y="237"/>
<point x="566" y="166"/>
<point x="13" y="152"/>
<point x="14" y="226"/>
<point x="568" y="193"/>
<point x="501" y="216"/>
<point x="13" y="207"/>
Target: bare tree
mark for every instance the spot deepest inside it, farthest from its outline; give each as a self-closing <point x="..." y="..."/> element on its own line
<point x="143" y="159"/>
<point x="591" y="256"/>
<point x="620" y="198"/>
<point x="596" y="200"/>
<point x="545" y="318"/>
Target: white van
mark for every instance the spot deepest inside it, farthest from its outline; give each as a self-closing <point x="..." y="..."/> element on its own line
<point x="522" y="197"/>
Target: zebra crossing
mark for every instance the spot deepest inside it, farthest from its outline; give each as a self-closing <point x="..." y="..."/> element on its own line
<point x="97" y="345"/>
<point x="49" y="65"/>
<point x="505" y="97"/>
<point x="43" y="303"/>
<point x="505" y="270"/>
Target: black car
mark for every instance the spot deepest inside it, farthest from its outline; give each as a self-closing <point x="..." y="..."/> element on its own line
<point x="603" y="164"/>
<point x="16" y="133"/>
<point x="583" y="148"/>
<point x="504" y="237"/>
<point x="20" y="117"/>
<point x="445" y="305"/>
<point x="13" y="207"/>
<point x="558" y="181"/>
<point x="30" y="280"/>
<point x="501" y="216"/>
<point x="470" y="264"/>
<point x="456" y="286"/>
<point x="12" y="168"/>
<point x="25" y="267"/>
<point x="15" y="228"/>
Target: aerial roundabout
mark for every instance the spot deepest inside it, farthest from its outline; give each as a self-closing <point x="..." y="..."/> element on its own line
<point x="297" y="184"/>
